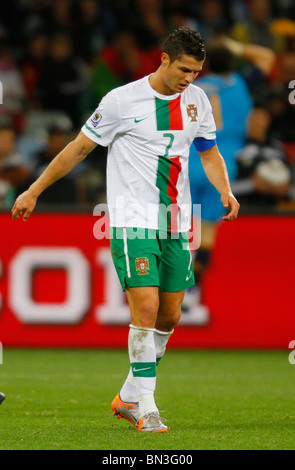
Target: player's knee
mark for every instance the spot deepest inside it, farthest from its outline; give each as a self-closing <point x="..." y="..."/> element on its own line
<point x="169" y="321"/>
<point x="146" y="314"/>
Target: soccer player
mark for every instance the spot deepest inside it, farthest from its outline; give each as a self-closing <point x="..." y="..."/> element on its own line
<point x="149" y="126"/>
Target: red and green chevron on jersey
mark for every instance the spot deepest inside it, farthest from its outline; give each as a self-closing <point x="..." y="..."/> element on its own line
<point x="167" y="177"/>
<point x="168" y="114"/>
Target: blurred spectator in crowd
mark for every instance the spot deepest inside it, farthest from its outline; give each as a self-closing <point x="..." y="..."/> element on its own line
<point x="148" y="23"/>
<point x="282" y="106"/>
<point x="239" y="11"/>
<point x="13" y="173"/>
<point x="283" y="9"/>
<point x="280" y="92"/>
<point x="283" y="71"/>
<point x="61" y="193"/>
<point x="89" y="34"/>
<point x="78" y="185"/>
<point x="32" y="66"/>
<point x="264" y="176"/>
<point x="283" y="122"/>
<point x="14" y="96"/>
<point x="11" y="24"/>
<point x="213" y="19"/>
<point x="120" y="62"/>
<point x="63" y="78"/>
<point x="61" y="17"/>
<point x="126" y="59"/>
<point x="257" y="28"/>
<point x="179" y="13"/>
<point x="33" y="18"/>
<point x="256" y="63"/>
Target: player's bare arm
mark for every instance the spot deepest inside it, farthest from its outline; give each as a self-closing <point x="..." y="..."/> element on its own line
<point x="75" y="152"/>
<point x="216" y="171"/>
<point x="262" y="57"/>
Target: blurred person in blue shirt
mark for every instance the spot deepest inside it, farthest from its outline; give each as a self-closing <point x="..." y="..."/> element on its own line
<point x="230" y="96"/>
<point x="231" y="104"/>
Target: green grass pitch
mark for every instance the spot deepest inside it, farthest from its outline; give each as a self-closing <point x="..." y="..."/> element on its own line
<point x="60" y="399"/>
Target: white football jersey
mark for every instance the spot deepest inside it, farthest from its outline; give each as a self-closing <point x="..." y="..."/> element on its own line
<point x="149" y="137"/>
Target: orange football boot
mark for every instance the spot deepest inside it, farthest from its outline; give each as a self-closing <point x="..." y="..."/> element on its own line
<point x="129" y="411"/>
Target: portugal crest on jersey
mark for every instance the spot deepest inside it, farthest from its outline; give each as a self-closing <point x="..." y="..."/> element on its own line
<point x="142" y="265"/>
<point x="192" y="112"/>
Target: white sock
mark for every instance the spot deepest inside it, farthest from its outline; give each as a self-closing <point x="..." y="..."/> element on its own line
<point x="161" y="339"/>
<point x="128" y="392"/>
<point x="142" y="355"/>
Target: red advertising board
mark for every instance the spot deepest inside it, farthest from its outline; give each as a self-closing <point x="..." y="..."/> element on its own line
<point x="58" y="286"/>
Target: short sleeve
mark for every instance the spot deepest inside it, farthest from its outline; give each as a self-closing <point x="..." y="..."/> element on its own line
<point x="207" y="128"/>
<point x="103" y="125"/>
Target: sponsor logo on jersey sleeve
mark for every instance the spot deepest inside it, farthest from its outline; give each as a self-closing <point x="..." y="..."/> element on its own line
<point x="95" y="119"/>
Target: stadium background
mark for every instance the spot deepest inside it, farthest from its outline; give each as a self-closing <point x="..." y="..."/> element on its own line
<point x="57" y="285"/>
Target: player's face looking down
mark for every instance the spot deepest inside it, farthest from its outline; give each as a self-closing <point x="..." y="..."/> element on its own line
<point x="180" y="73"/>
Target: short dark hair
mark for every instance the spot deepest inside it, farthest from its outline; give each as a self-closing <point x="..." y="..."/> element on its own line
<point x="186" y="41"/>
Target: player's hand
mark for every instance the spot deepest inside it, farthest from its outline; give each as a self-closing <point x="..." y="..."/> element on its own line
<point x="24" y="206"/>
<point x="229" y="202"/>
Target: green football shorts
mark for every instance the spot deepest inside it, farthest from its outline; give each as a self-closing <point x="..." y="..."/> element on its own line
<point x="146" y="257"/>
